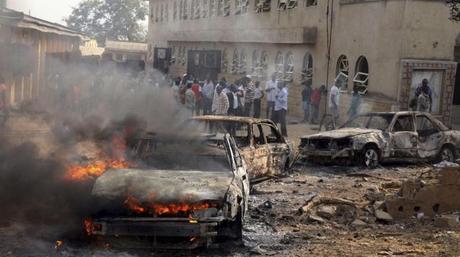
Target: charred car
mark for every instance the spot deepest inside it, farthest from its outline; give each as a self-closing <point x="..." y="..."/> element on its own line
<point x="390" y="136"/>
<point x="185" y="192"/>
<point x="266" y="152"/>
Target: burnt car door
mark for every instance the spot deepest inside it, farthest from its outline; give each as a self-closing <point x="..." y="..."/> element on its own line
<point x="260" y="154"/>
<point x="278" y="147"/>
<point x="429" y="137"/>
<point x="404" y="138"/>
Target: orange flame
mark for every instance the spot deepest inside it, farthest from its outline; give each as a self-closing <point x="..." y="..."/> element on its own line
<point x="88" y="225"/>
<point x="161" y="209"/>
<point x="58" y="244"/>
<point x="94" y="170"/>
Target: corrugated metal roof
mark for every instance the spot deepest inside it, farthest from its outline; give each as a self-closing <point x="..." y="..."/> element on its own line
<point x="126" y="46"/>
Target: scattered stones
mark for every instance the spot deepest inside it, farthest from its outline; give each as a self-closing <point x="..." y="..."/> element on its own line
<point x="383" y="216"/>
<point x="358" y="223"/>
<point x="326" y="211"/>
<point x="447" y="221"/>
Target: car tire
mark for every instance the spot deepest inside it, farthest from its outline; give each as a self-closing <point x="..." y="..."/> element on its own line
<point x="447" y="154"/>
<point x="370" y="157"/>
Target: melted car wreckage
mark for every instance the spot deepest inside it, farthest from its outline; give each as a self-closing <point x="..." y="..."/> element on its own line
<point x="185" y="192"/>
<point x="372" y="138"/>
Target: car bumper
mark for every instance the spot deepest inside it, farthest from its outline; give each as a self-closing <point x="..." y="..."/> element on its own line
<point x="332" y="154"/>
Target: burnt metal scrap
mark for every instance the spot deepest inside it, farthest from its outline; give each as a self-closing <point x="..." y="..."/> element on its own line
<point x="266" y="152"/>
<point x="184" y="201"/>
<point x="372" y="138"/>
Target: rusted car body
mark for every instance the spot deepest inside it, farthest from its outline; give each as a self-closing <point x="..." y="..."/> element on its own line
<point x="390" y="136"/>
<point x="266" y="152"/>
<point x="185" y="193"/>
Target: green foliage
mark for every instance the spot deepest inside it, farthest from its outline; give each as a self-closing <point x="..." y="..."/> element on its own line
<point x="454" y="6"/>
<point x="110" y="19"/>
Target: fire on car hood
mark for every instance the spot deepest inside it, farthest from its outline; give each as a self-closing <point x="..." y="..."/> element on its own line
<point x="163" y="185"/>
<point x="343" y="133"/>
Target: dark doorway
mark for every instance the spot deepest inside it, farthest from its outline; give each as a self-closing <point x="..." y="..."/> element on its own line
<point x="457" y="78"/>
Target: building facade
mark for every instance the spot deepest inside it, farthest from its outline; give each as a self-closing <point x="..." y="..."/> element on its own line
<point x="384" y="48"/>
<point x="28" y="46"/>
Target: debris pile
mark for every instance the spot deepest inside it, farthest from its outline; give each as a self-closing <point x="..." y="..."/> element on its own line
<point x="434" y="193"/>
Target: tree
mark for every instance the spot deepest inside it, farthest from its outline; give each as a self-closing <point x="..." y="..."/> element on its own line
<point x="454" y="6"/>
<point x="110" y="19"/>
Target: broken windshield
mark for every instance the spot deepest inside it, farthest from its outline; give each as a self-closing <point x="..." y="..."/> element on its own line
<point x="370" y="121"/>
<point x="183" y="154"/>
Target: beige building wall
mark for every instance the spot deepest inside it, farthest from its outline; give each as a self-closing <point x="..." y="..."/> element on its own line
<point x="384" y="32"/>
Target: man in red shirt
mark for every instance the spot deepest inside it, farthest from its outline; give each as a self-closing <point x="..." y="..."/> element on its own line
<point x="196" y="88"/>
<point x="315" y="100"/>
<point x="3" y="101"/>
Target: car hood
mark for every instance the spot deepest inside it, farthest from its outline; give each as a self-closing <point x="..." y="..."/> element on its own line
<point x="163" y="185"/>
<point x="342" y="133"/>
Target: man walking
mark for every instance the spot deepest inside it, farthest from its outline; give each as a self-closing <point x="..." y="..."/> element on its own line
<point x="281" y="106"/>
<point x="315" y="101"/>
<point x="220" y="103"/>
<point x="270" y="90"/>
<point x="248" y="99"/>
<point x="258" y="95"/>
<point x="208" y="95"/>
<point x="355" y="103"/>
<point x="306" y="97"/>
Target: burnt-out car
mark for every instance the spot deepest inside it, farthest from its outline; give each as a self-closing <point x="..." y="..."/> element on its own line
<point x="390" y="136"/>
<point x="185" y="192"/>
<point x="266" y="152"/>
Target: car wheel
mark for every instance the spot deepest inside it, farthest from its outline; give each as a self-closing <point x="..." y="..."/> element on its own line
<point x="447" y="154"/>
<point x="370" y="157"/>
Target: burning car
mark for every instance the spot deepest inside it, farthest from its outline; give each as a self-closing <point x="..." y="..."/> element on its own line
<point x="186" y="192"/>
<point x="266" y="152"/>
<point x="389" y="136"/>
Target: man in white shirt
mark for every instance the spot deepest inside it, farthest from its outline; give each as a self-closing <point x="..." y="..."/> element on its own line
<point x="208" y="96"/>
<point x="334" y="102"/>
<point x="270" y="90"/>
<point x="281" y="106"/>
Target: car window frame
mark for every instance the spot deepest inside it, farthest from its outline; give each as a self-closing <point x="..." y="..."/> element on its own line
<point x="395" y="119"/>
<point x="435" y="125"/>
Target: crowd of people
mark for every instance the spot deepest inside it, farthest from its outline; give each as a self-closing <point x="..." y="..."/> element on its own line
<point x="242" y="98"/>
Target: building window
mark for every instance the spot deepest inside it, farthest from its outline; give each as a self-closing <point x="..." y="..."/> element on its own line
<point x="225" y="68"/>
<point x="213" y="8"/>
<point x="185" y="10"/>
<point x="263" y="5"/>
<point x="175" y="10"/>
<point x="311" y="3"/>
<point x="255" y="63"/>
<point x="224" y="8"/>
<point x="161" y="13"/>
<point x="166" y="13"/>
<point x="152" y="10"/>
<point x="361" y="79"/>
<point x="197" y="13"/>
<point x="241" y="6"/>
<point x="289" y="68"/>
<point x="342" y="72"/>
<point x="307" y="68"/>
<point x="235" y="61"/>
<point x="287" y="4"/>
<point x="242" y="66"/>
<point x="204" y="9"/>
<point x="157" y="12"/>
<point x="279" y="66"/>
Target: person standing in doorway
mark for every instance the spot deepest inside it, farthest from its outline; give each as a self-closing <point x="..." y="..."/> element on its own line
<point x="424" y="88"/>
<point x="355" y="105"/>
<point x="281" y="107"/>
<point x="258" y="95"/>
<point x="270" y="90"/>
<point x="306" y="97"/>
<point x="334" y="102"/>
<point x="423" y="101"/>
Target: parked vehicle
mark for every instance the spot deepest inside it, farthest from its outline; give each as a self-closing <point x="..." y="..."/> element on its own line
<point x="266" y="152"/>
<point x="186" y="192"/>
<point x="372" y="138"/>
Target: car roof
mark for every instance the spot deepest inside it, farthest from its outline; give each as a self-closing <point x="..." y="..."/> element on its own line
<point x="248" y="120"/>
